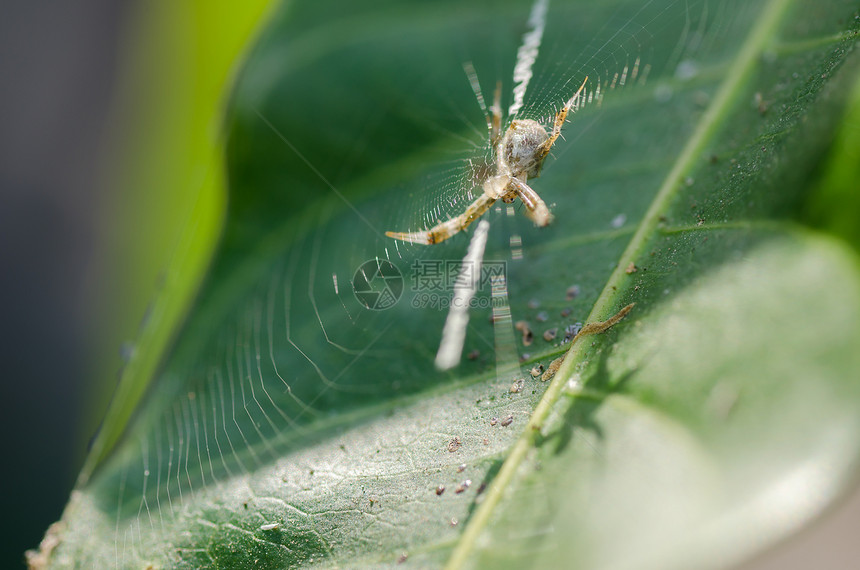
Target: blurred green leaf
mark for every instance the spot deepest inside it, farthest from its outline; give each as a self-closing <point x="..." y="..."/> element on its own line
<point x="166" y="165"/>
<point x="290" y="426"/>
<point x="834" y="202"/>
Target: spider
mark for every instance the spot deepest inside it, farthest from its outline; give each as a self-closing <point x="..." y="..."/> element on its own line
<point x="519" y="155"/>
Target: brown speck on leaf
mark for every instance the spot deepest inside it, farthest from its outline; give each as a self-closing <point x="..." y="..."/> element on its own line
<point x="440" y="489"/>
<point x="536" y="370"/>
<point x="461" y="468"/>
<point x="553" y="368"/>
<point x="631" y="268"/>
<point x="486" y="441"/>
<point x="525" y="356"/>
<point x="542" y="317"/>
<point x="481" y="487"/>
<point x="494" y="421"/>
<point x="566" y="312"/>
<point x="454" y="522"/>
<point x="454" y="444"/>
<point x="533" y="304"/>
<point x="402" y="558"/>
<point x="473" y="355"/>
<point x="517" y="386"/>
<point x="508" y="420"/>
<point x="528" y="337"/>
<point x="572" y="292"/>
<point x="463" y="486"/>
<point x="550" y="334"/>
<point x="523" y="327"/>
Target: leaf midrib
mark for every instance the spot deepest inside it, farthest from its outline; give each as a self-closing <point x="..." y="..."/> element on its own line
<point x="737" y="75"/>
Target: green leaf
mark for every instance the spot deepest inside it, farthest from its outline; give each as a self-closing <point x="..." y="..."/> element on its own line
<point x="288" y="425"/>
<point x="168" y="166"/>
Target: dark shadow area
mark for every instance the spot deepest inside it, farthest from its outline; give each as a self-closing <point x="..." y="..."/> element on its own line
<point x="58" y="70"/>
<point x="580" y="415"/>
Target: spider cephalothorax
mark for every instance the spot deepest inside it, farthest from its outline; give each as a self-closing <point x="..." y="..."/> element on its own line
<point x="518" y="155"/>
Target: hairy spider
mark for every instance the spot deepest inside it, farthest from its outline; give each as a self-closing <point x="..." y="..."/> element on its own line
<point x="518" y="156"/>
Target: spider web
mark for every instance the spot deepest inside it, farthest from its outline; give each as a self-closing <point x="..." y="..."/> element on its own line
<point x="285" y="353"/>
<point x="612" y="48"/>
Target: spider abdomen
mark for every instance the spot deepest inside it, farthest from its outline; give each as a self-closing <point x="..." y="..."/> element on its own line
<point x="522" y="147"/>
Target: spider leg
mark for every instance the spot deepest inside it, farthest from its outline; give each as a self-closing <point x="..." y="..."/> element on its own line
<point x="494" y="122"/>
<point x="560" y="118"/>
<point x="472" y="76"/>
<point x="443" y="231"/>
<point x="536" y="208"/>
<point x="496" y="110"/>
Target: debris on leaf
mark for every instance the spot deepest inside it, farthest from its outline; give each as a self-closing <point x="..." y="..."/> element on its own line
<point x="454" y="444"/>
<point x="523" y="327"/>
<point x="553" y="368"/>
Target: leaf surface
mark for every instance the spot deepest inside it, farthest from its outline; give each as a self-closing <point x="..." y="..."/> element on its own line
<point x="291" y="426"/>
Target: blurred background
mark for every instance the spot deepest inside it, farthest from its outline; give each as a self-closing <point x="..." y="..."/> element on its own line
<point x="63" y="271"/>
<point x="58" y="65"/>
